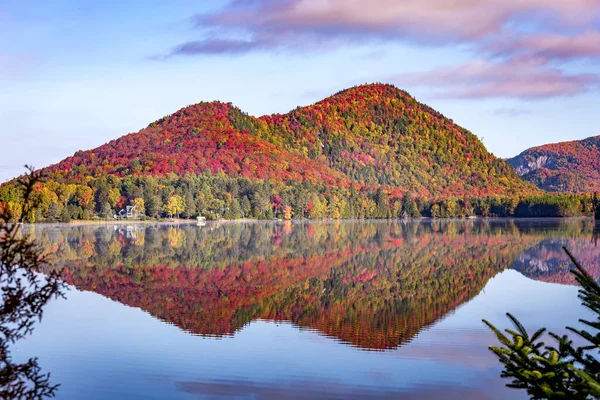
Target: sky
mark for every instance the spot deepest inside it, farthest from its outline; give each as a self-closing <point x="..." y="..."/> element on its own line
<point x="75" y="74"/>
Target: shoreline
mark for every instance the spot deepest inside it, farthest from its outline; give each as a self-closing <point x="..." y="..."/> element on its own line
<point x="296" y="221"/>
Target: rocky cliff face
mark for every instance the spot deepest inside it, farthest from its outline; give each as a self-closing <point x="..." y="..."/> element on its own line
<point x="572" y="167"/>
<point x="526" y="164"/>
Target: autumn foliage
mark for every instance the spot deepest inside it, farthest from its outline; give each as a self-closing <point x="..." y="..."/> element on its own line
<point x="364" y="152"/>
<point x="562" y="167"/>
<point x="372" y="135"/>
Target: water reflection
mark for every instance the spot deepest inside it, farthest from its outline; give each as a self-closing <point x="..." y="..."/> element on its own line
<point x="372" y="285"/>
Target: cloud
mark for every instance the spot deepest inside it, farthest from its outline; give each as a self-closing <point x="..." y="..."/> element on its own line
<point x="305" y="24"/>
<point x="521" y="77"/>
<point x="260" y="25"/>
<point x="511" y="111"/>
<point x="216" y="46"/>
<point x="435" y="21"/>
<point x="553" y="46"/>
<point x="233" y="45"/>
<point x="501" y="33"/>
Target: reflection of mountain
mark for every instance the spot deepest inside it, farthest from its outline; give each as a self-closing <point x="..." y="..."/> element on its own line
<point x="374" y="285"/>
<point x="548" y="262"/>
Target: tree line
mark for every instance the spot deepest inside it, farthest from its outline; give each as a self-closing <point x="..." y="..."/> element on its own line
<point x="219" y="196"/>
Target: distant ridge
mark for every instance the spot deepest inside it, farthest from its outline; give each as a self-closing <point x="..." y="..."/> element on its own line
<point x="572" y="167"/>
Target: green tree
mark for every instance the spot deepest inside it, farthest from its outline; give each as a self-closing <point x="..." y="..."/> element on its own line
<point x="154" y="206"/>
<point x="53" y="213"/>
<point x="563" y="371"/>
<point x="101" y="198"/>
<point x="106" y="211"/>
<point x="190" y="206"/>
<point x="235" y="211"/>
<point x="409" y="207"/>
<point x="65" y="216"/>
<point x="246" y="207"/>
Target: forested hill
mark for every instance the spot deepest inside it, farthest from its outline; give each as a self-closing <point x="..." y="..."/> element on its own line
<point x="572" y="167"/>
<point x="198" y="138"/>
<point x="371" y="135"/>
<point x="369" y="151"/>
<point x="380" y="135"/>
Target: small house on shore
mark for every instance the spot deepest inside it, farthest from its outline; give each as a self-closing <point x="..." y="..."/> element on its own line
<point x="129" y="212"/>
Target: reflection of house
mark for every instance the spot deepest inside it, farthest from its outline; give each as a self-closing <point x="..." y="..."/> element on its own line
<point x="129" y="231"/>
<point x="129" y="212"/>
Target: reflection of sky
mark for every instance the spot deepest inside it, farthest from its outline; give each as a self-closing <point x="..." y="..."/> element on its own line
<point x="113" y="351"/>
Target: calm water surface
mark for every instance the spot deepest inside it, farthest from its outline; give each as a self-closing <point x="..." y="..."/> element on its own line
<point x="340" y="310"/>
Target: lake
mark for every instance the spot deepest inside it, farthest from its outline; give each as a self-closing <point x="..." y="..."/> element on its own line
<point x="280" y="310"/>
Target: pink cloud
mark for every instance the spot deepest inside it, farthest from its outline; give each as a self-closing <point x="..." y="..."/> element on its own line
<point x="517" y="77"/>
<point x="490" y="27"/>
<point x="554" y="46"/>
<point x="414" y="19"/>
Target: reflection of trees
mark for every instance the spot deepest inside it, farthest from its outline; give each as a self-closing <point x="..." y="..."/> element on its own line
<point x="233" y="243"/>
<point x="381" y="297"/>
<point x="373" y="285"/>
<point x="25" y="293"/>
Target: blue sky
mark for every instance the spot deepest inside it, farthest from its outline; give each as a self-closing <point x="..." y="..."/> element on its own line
<point x="75" y="74"/>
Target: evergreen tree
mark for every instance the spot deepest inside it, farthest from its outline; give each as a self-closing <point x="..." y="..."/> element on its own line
<point x="409" y="207"/>
<point x="564" y="371"/>
<point x="107" y="211"/>
<point x="246" y="207"/>
<point x="53" y="213"/>
<point x="190" y="206"/>
<point x="154" y="206"/>
<point x="235" y="211"/>
<point x="65" y="216"/>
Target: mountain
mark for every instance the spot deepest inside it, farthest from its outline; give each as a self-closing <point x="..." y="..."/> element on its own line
<point x="572" y="167"/>
<point x="194" y="139"/>
<point x="371" y="135"/>
<point x="359" y="153"/>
